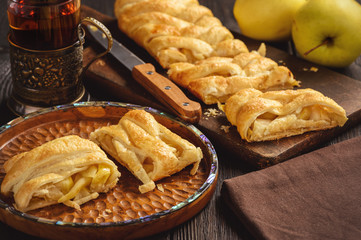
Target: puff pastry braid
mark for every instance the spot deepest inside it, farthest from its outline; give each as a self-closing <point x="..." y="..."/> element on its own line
<point x="69" y="170"/>
<point x="277" y="114"/>
<point x="146" y="148"/>
<point x="171" y="30"/>
<point x="200" y="53"/>
<point x="215" y="79"/>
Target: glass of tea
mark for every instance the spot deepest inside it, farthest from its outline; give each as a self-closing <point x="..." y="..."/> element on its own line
<point x="43" y="24"/>
<point x="46" y="53"/>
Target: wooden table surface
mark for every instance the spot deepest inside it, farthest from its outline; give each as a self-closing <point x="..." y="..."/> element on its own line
<point x="216" y="220"/>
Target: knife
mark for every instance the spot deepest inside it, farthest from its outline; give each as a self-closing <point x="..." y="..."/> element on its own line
<point x="145" y="74"/>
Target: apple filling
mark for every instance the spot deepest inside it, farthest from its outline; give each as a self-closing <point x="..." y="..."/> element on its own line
<point x="149" y="150"/>
<point x="272" y="124"/>
<point x="75" y="190"/>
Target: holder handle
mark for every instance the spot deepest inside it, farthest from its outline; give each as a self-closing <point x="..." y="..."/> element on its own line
<point x="101" y="27"/>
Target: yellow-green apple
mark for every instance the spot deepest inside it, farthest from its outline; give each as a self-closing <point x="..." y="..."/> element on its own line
<point x="328" y="32"/>
<point x="266" y="20"/>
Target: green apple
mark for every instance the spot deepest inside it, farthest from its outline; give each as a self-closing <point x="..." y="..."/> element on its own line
<point x="266" y="20"/>
<point x="328" y="32"/>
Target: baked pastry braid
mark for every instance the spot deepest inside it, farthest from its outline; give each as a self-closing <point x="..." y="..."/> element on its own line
<point x="173" y="30"/>
<point x="277" y="114"/>
<point x="69" y="170"/>
<point x="215" y="79"/>
<point x="146" y="148"/>
<point x="200" y="53"/>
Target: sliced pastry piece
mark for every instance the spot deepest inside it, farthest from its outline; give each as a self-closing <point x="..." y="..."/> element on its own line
<point x="215" y="79"/>
<point x="69" y="170"/>
<point x="146" y="148"/>
<point x="200" y="54"/>
<point x="277" y="114"/>
<point x="174" y="31"/>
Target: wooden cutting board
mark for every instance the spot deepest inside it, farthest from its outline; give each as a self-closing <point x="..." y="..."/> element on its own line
<point x="108" y="75"/>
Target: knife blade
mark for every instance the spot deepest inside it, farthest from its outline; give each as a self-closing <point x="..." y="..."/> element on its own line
<point x="145" y="74"/>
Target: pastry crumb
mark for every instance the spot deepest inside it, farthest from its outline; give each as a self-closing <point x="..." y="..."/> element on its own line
<point x="160" y="187"/>
<point x="281" y="62"/>
<point x="225" y="128"/>
<point x="212" y="112"/>
<point x="313" y="69"/>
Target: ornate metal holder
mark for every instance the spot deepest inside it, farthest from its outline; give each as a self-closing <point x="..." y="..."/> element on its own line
<point x="47" y="78"/>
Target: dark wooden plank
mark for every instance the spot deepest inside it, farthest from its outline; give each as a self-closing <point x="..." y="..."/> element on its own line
<point x="216" y="221"/>
<point x="344" y="90"/>
<point x="339" y="87"/>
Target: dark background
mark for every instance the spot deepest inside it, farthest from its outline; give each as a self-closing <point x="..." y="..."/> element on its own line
<point x="215" y="221"/>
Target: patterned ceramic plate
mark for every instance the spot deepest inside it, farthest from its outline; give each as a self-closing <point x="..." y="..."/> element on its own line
<point x="122" y="212"/>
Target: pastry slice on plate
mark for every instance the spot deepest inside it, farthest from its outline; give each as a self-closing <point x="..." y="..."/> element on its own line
<point x="146" y="148"/>
<point x="69" y="170"/>
<point x="277" y="114"/>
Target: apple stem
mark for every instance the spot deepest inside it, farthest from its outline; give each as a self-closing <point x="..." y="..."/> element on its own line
<point x="325" y="42"/>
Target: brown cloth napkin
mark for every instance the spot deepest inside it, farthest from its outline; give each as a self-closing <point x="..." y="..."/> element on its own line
<point x="313" y="196"/>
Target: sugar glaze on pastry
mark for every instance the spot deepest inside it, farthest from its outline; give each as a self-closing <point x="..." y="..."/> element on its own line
<point x="171" y="30"/>
<point x="146" y="148"/>
<point x="277" y="114"/>
<point x="69" y="170"/>
<point x="200" y="53"/>
<point x="215" y="79"/>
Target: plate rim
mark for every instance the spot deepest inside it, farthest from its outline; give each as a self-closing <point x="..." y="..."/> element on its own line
<point x="211" y="178"/>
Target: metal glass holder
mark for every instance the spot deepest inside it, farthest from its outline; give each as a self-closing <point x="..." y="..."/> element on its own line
<point x="53" y="77"/>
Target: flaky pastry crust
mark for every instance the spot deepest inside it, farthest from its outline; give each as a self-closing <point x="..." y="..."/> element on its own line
<point x="215" y="79"/>
<point x="277" y="114"/>
<point x="146" y="148"/>
<point x="200" y="53"/>
<point x="69" y="170"/>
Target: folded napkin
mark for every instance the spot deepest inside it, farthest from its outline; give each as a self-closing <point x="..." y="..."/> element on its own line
<point x="313" y="196"/>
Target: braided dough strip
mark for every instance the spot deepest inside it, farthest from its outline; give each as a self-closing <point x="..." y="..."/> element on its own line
<point x="276" y="114"/>
<point x="217" y="78"/>
<point x="171" y="30"/>
<point x="200" y="53"/>
<point x="146" y="148"/>
<point x="69" y="170"/>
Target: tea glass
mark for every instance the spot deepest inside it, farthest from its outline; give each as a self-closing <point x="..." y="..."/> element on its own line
<point x="46" y="53"/>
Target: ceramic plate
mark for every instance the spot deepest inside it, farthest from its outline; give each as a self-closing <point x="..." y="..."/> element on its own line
<point x="122" y="212"/>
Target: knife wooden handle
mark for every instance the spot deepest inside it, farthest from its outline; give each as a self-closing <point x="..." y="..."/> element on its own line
<point x="167" y="92"/>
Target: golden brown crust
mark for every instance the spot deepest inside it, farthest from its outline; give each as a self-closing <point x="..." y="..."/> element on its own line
<point x="36" y="177"/>
<point x="174" y="31"/>
<point x="217" y="78"/>
<point x="171" y="31"/>
<point x="276" y="114"/>
<point x="198" y="50"/>
<point x="146" y="148"/>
